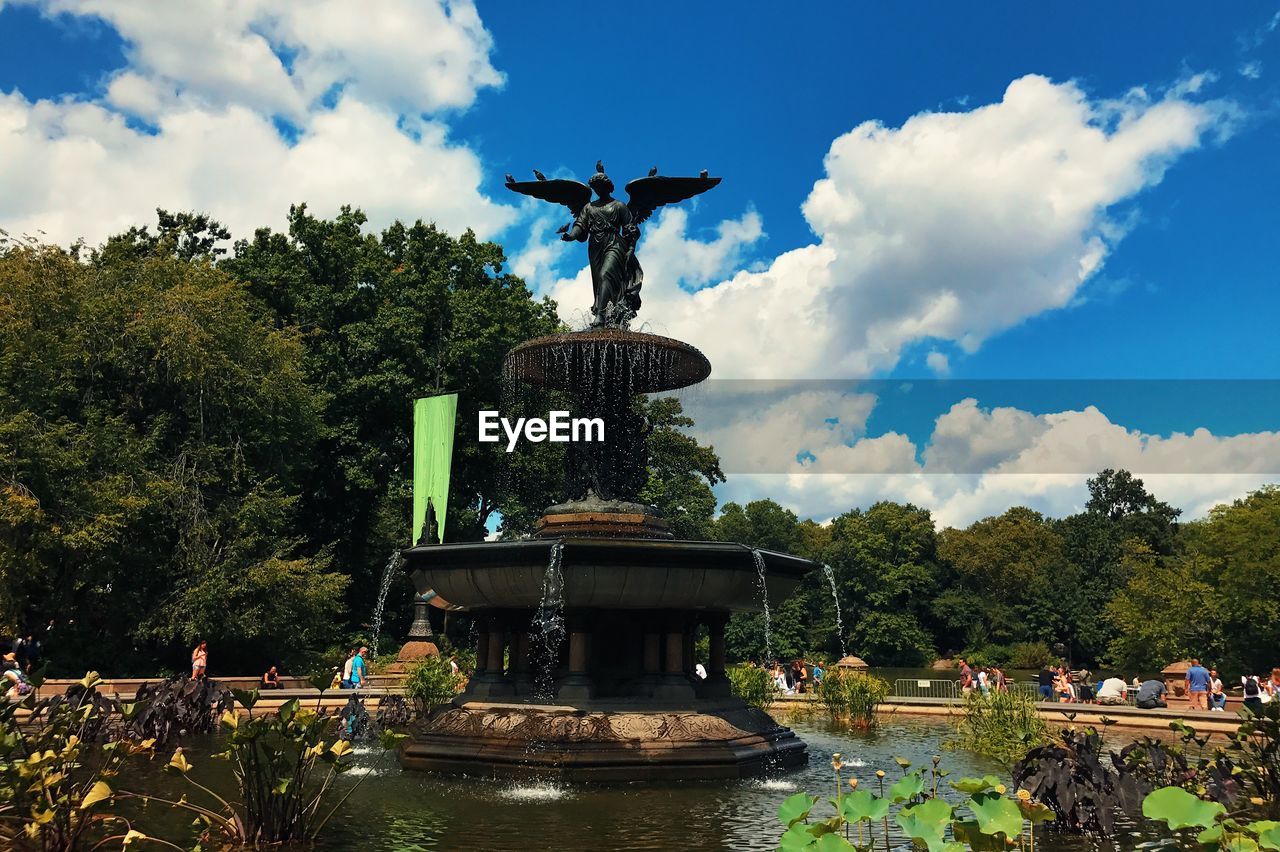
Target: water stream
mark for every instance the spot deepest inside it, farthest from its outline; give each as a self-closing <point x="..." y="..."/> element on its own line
<point x="758" y="557"/>
<point x="549" y="621"/>
<point x="389" y="573"/>
<point x="831" y="579"/>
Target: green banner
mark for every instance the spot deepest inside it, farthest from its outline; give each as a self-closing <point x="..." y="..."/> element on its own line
<point x="433" y="424"/>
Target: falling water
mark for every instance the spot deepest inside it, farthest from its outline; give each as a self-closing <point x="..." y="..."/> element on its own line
<point x="389" y="572"/>
<point x="831" y="579"/>
<point x="764" y="597"/>
<point x="549" y="619"/>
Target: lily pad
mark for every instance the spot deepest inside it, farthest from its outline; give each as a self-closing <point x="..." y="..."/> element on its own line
<point x="862" y="805"/>
<point x="970" y="786"/>
<point x="1179" y="809"/>
<point x="927" y="822"/>
<point x="907" y="787"/>
<point x="996" y="815"/>
<point x="796" y="809"/>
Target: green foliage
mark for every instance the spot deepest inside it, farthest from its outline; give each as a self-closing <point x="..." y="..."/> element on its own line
<point x="752" y="684"/>
<point x="992" y="822"/>
<point x="55" y="782"/>
<point x="1001" y="725"/>
<point x="431" y="682"/>
<point x="852" y="696"/>
<point x="682" y="472"/>
<point x="1029" y="655"/>
<point x="154" y="427"/>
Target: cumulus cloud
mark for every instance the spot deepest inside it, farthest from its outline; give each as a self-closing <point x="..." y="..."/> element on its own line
<point x="954" y="226"/>
<point x="240" y="109"/>
<point x="979" y="461"/>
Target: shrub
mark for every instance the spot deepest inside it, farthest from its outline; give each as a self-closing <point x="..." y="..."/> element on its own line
<point x="852" y="696"/>
<point x="431" y="682"/>
<point x="753" y="685"/>
<point x="1030" y="655"/>
<point x="1002" y="725"/>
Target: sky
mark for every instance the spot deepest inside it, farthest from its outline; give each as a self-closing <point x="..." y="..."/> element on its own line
<point x="962" y="256"/>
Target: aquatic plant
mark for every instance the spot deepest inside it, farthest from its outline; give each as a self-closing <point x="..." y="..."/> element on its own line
<point x="753" y="685"/>
<point x="987" y="819"/>
<point x="176" y="706"/>
<point x="1002" y="725"/>
<point x="55" y="793"/>
<point x="431" y="682"/>
<point x="852" y="696"/>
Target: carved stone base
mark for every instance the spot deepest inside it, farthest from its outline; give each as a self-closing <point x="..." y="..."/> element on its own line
<point x="717" y="740"/>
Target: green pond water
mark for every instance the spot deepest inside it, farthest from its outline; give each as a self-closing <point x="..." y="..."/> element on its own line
<point x="397" y="810"/>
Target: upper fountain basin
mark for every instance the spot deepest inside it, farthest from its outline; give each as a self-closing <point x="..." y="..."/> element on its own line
<point x="642" y="363"/>
<point x="605" y="573"/>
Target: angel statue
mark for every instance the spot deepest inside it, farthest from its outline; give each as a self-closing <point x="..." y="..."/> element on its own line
<point x="612" y="229"/>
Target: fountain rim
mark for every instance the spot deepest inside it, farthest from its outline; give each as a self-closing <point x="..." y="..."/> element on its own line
<point x="694" y="365"/>
<point x="582" y="548"/>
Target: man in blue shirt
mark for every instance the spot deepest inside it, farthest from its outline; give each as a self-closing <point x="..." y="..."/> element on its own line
<point x="1198" y="680"/>
<point x="357" y="668"/>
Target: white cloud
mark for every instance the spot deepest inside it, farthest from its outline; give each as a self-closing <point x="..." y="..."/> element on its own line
<point x="938" y="362"/>
<point x="953" y="226"/>
<point x="979" y="462"/>
<point x="191" y="122"/>
<point x="1251" y="69"/>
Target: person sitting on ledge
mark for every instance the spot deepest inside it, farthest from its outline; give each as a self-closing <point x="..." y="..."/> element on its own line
<point x="1112" y="691"/>
<point x="1151" y="695"/>
<point x="271" y="679"/>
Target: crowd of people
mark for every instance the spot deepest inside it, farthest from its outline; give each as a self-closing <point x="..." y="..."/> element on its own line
<point x="799" y="677"/>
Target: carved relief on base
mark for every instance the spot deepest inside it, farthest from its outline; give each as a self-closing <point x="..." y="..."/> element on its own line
<point x="545" y="726"/>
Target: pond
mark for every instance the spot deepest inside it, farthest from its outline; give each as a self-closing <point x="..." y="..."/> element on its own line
<point x="406" y="811"/>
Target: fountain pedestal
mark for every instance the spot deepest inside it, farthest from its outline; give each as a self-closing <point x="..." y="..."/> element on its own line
<point x="585" y="663"/>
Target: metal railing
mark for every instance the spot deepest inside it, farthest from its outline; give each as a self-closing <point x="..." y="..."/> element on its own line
<point x="913" y="688"/>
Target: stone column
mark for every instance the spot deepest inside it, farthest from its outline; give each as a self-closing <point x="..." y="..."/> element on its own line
<point x="491" y="682"/>
<point x="521" y="666"/>
<point x="675" y="685"/>
<point x="717" y="683"/>
<point x="577" y="685"/>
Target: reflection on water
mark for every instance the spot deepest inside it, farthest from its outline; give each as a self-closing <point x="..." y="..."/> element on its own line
<point x="408" y="811"/>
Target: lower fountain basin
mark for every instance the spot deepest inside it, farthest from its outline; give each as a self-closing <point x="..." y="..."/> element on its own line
<point x="605" y="573"/>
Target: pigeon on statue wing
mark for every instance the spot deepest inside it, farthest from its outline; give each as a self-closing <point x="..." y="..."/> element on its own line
<point x="539" y="175"/>
<point x="510" y="178"/>
<point x="702" y="173"/>
<point x="600" y="166"/>
<point x="653" y="171"/>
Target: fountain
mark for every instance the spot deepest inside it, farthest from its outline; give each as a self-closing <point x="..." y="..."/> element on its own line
<point x="619" y="700"/>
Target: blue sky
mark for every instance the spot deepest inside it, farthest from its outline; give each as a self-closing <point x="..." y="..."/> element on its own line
<point x="757" y="93"/>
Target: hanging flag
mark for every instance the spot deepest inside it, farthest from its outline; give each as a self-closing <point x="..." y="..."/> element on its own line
<point x="433" y="425"/>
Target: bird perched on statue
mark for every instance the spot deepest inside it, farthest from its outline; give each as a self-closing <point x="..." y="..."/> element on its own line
<point x="539" y="175"/>
<point x="600" y="166"/>
<point x="702" y="173"/>
<point x="653" y="171"/>
<point x="510" y="179"/>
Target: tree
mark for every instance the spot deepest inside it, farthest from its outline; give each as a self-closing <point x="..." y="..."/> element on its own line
<point x="1011" y="582"/>
<point x="682" y="472"/>
<point x="1124" y="499"/>
<point x="1161" y="615"/>
<point x="385" y="318"/>
<point x="154" y="429"/>
<point x="887" y="572"/>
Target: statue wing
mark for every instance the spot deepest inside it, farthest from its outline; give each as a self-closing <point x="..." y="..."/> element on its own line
<point x="647" y="194"/>
<point x="570" y="193"/>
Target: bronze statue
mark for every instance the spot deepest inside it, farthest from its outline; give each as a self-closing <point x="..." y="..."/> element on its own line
<point x="612" y="230"/>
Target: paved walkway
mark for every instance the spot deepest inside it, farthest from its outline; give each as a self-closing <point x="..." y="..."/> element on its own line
<point x="1084" y="714"/>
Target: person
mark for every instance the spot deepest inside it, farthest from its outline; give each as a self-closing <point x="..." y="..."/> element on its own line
<point x="21" y="648"/>
<point x="15" y="678"/>
<point x="1062" y="684"/>
<point x="780" y="679"/>
<point x="983" y="686"/>
<point x="1197" y="678"/>
<point x="1273" y="683"/>
<point x="1084" y="689"/>
<point x="345" y="683"/>
<point x="271" y="679"/>
<point x="1112" y="691"/>
<point x="818" y="673"/>
<point x="798" y="675"/>
<point x="966" y="677"/>
<point x="1001" y="682"/>
<point x="700" y="671"/>
<point x="1151" y="694"/>
<point x="1253" y="692"/>
<point x="1217" y="695"/>
<point x="1046" y="679"/>
<point x="358" y="676"/>
<point x="453" y="665"/>
<point x="199" y="660"/>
